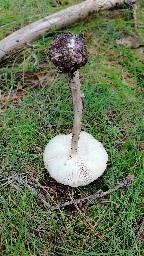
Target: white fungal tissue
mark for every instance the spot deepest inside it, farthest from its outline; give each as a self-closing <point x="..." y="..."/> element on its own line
<point x="72" y="43"/>
<point x="78" y="169"/>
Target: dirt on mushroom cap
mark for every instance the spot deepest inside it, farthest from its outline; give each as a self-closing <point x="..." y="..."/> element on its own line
<point x="68" y="52"/>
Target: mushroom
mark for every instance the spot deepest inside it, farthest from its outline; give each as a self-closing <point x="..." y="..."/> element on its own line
<point x="75" y="159"/>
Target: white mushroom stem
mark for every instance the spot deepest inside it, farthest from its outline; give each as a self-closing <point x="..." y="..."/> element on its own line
<point x="77" y="103"/>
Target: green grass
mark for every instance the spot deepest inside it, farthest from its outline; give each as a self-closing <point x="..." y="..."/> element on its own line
<point x="37" y="105"/>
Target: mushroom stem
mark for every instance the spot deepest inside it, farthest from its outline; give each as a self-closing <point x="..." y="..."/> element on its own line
<point x="77" y="103"/>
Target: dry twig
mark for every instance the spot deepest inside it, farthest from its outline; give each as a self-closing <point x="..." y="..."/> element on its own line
<point x="32" y="187"/>
<point x="124" y="183"/>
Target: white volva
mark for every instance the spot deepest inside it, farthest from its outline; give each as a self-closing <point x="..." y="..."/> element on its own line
<point x="77" y="169"/>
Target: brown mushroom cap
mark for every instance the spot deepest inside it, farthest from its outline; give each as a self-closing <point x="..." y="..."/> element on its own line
<point x="68" y="52"/>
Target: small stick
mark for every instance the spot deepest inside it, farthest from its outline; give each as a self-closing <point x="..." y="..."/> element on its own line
<point x="135" y="15"/>
<point x="31" y="186"/>
<point x="77" y="103"/>
<point x="124" y="183"/>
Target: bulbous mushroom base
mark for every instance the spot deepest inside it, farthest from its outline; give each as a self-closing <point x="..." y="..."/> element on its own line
<point x="78" y="169"/>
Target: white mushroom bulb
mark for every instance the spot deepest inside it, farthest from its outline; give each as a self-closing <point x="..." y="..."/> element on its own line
<point x="78" y="158"/>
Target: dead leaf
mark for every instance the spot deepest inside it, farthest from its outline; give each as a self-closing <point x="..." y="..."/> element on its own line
<point x="130" y="41"/>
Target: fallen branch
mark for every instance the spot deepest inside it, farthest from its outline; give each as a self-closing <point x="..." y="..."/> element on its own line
<point x="59" y="20"/>
<point x="35" y="190"/>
